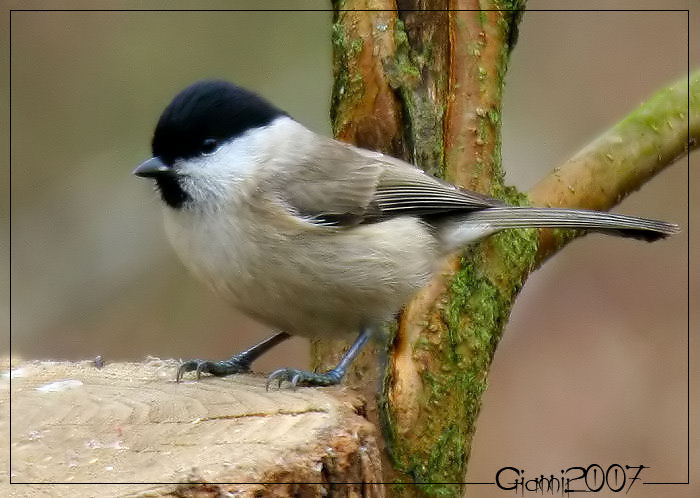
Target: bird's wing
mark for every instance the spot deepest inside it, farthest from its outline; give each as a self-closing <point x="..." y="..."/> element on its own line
<point x="405" y="189"/>
<point x="341" y="186"/>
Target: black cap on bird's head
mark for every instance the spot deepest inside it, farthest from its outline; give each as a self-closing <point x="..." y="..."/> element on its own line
<point x="204" y="115"/>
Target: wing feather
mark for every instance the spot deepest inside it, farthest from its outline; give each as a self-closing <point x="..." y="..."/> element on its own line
<point x="336" y="184"/>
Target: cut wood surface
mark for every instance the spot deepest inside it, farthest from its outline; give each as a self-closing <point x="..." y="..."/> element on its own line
<point x="128" y="429"/>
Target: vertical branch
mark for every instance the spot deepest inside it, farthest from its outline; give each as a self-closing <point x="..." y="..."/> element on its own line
<point x="364" y="108"/>
<point x="419" y="73"/>
<point x="477" y="66"/>
<point x="447" y="334"/>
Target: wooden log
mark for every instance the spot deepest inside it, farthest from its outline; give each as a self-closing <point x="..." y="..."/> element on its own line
<point x="128" y="429"/>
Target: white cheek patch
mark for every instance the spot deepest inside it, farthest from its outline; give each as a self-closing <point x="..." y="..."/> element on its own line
<point x="232" y="161"/>
<point x="211" y="178"/>
<point x="238" y="159"/>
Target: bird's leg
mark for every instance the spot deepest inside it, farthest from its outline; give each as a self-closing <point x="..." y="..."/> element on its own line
<point x="239" y="363"/>
<point x="303" y="378"/>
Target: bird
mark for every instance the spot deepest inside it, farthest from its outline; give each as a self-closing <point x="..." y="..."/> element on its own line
<point x="313" y="236"/>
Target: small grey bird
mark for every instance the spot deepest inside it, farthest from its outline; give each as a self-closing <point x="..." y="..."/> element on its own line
<point x="310" y="235"/>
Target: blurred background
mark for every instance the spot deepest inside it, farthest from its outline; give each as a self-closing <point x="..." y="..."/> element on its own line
<point x="592" y="367"/>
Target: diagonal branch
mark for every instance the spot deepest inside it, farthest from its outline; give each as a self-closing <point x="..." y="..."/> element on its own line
<point x="621" y="160"/>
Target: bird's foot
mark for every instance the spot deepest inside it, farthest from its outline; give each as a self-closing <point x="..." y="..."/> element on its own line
<point x="303" y="378"/>
<point x="236" y="364"/>
<point x="239" y="363"/>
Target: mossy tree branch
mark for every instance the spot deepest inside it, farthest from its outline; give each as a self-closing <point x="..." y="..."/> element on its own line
<point x="622" y="159"/>
<point x="427" y="86"/>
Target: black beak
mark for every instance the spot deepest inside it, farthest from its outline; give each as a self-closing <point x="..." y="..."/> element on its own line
<point x="151" y="168"/>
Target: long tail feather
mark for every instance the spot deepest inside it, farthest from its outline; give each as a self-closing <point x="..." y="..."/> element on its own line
<point x="477" y="224"/>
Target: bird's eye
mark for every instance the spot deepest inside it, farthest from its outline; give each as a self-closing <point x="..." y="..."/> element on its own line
<point x="209" y="145"/>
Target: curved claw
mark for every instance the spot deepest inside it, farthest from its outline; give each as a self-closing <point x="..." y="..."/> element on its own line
<point x="187" y="366"/>
<point x="200" y="368"/>
<point x="277" y="374"/>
